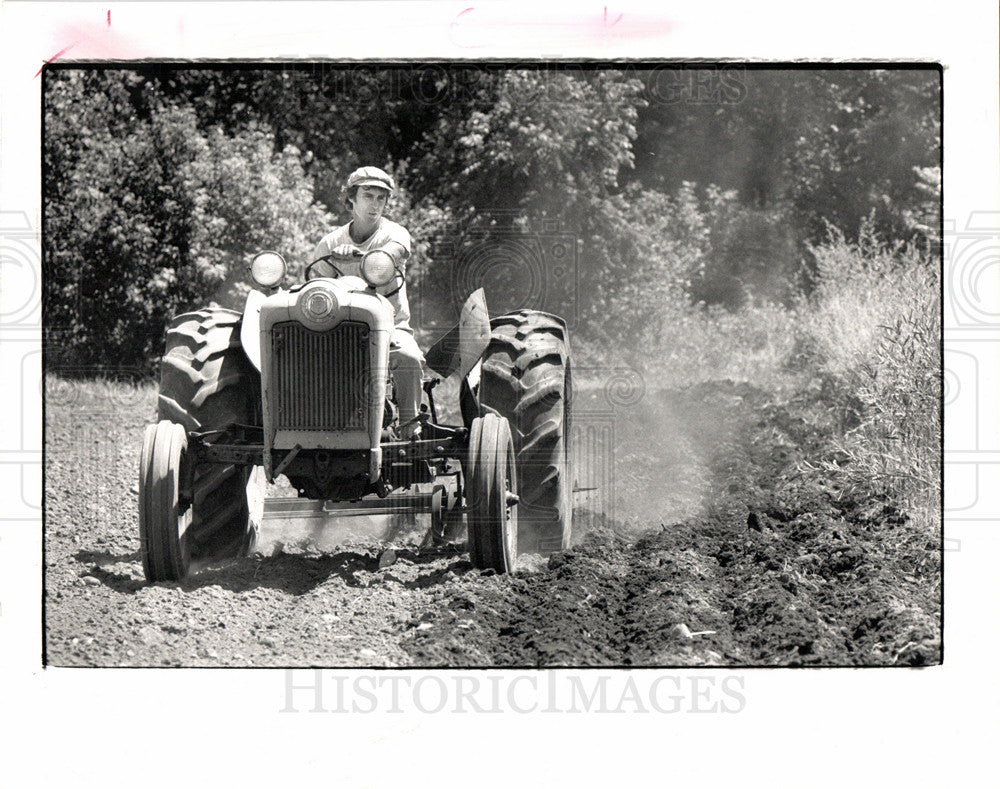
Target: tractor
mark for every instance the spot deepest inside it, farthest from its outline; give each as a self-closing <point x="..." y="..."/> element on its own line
<point x="298" y="384"/>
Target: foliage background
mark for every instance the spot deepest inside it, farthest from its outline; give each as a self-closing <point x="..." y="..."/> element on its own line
<point x="678" y="187"/>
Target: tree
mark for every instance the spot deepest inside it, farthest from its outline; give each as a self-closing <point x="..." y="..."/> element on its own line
<point x="147" y="217"/>
<point x="526" y="164"/>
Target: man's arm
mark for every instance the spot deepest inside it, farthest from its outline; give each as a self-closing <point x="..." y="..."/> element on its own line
<point x="398" y="252"/>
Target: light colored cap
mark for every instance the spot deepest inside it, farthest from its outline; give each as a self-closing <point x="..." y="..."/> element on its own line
<point x="371" y="176"/>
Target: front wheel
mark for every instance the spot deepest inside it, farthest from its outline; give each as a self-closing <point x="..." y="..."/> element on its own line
<point x="207" y="385"/>
<point x="491" y="493"/>
<point x="164" y="515"/>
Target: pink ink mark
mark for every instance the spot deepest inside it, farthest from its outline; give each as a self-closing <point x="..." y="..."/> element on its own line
<point x="96" y="41"/>
<point x="58" y="55"/>
<point x="476" y="27"/>
<point x="456" y="24"/>
<point x="637" y="27"/>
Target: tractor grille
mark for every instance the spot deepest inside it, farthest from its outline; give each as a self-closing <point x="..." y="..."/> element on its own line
<point x="319" y="378"/>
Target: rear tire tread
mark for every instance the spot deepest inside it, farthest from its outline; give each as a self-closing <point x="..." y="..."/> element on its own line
<point x="207" y="383"/>
<point x="526" y="378"/>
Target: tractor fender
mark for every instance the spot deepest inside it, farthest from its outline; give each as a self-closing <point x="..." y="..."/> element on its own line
<point x="250" y="328"/>
<point x="461" y="348"/>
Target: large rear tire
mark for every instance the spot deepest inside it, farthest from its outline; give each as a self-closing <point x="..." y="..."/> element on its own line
<point x="207" y="383"/>
<point x="491" y="492"/>
<point x="164" y="515"/>
<point x="526" y="378"/>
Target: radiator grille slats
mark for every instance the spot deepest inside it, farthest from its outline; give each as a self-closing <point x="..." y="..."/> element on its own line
<point x="319" y="378"/>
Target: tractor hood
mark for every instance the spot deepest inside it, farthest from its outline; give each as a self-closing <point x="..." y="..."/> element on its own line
<point x="322" y="304"/>
<point x="323" y="352"/>
<point x="319" y="304"/>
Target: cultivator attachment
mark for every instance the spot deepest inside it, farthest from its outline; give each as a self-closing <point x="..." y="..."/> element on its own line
<point x="428" y="516"/>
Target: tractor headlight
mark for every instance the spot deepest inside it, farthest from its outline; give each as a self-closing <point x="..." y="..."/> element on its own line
<point x="378" y="268"/>
<point x="267" y="269"/>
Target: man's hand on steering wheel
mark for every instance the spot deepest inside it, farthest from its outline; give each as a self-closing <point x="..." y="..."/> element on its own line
<point x="341" y="252"/>
<point x="346" y="251"/>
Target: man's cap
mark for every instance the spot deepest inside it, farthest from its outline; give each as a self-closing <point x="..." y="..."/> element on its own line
<point x="371" y="176"/>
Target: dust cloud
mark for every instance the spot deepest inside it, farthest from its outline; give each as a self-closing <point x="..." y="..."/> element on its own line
<point x="649" y="457"/>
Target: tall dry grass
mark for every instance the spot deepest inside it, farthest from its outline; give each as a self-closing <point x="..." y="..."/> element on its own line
<point x="874" y="323"/>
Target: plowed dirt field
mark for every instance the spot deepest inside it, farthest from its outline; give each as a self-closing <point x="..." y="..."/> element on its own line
<point x="702" y="545"/>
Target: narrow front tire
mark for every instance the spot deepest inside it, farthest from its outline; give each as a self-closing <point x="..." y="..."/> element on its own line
<point x="491" y="491"/>
<point x="164" y="514"/>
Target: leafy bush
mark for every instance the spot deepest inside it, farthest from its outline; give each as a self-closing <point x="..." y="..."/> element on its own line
<point x="864" y="349"/>
<point x="247" y="197"/>
<point x="675" y="264"/>
<point x="147" y="216"/>
<point x="875" y="325"/>
<point x="527" y="155"/>
<point x="649" y="247"/>
<point x="754" y="256"/>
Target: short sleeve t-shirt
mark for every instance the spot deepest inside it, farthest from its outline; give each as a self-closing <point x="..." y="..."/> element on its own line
<point x="386" y="231"/>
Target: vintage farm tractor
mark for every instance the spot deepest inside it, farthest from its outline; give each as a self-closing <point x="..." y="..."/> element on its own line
<point x="298" y="384"/>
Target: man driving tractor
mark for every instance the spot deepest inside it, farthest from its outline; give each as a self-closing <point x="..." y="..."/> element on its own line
<point x="295" y="385"/>
<point x="366" y="195"/>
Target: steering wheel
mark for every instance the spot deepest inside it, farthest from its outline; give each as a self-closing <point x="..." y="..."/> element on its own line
<point x="328" y="259"/>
